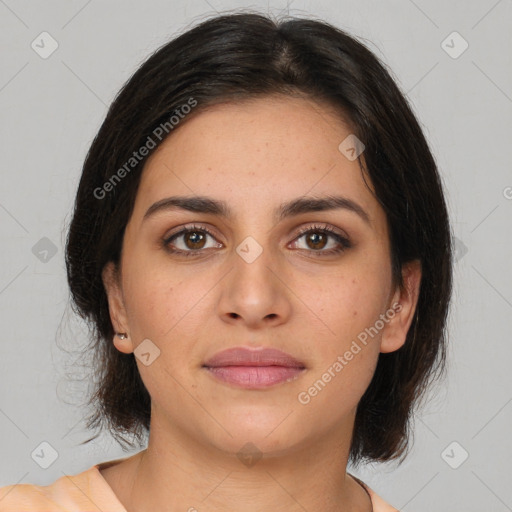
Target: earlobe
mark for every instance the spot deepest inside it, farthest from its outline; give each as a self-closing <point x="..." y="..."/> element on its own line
<point x="395" y="332"/>
<point x="123" y="342"/>
<point x="117" y="310"/>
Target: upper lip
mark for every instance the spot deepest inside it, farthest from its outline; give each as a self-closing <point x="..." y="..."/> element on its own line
<point x="241" y="356"/>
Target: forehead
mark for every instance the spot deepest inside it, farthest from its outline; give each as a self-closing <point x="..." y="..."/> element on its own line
<point x="256" y="154"/>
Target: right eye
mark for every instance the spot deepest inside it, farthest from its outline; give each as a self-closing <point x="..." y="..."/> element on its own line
<point x="190" y="241"/>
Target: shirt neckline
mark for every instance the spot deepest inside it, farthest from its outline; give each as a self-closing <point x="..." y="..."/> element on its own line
<point x="113" y="496"/>
<point x="106" y="485"/>
<point x="365" y="487"/>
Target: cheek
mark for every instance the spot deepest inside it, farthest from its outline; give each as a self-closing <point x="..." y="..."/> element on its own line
<point x="155" y="298"/>
<point x="347" y="304"/>
<point x="345" y="360"/>
<point x="350" y="304"/>
<point x="167" y="303"/>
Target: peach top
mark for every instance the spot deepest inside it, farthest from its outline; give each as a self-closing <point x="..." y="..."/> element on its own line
<point x="89" y="492"/>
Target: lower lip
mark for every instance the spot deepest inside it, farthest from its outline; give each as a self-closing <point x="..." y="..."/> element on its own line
<point x="255" y="377"/>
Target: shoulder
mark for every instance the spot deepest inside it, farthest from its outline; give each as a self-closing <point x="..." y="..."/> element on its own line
<point x="379" y="505"/>
<point x="85" y="491"/>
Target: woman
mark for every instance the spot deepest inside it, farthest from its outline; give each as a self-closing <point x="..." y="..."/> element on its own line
<point x="261" y="244"/>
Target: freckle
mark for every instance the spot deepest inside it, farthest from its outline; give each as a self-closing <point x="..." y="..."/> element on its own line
<point x="355" y="313"/>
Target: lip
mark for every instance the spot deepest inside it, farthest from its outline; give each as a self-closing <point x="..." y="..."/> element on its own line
<point x="254" y="368"/>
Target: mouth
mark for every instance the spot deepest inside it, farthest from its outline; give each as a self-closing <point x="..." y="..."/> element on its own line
<point x="254" y="368"/>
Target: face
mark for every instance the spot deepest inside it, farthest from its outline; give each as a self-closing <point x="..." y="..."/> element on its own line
<point x="264" y="261"/>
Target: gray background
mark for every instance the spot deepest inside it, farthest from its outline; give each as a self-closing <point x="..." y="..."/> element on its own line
<point x="51" y="109"/>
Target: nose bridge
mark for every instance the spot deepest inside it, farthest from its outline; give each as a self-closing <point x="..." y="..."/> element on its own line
<point x="252" y="276"/>
<point x="252" y="292"/>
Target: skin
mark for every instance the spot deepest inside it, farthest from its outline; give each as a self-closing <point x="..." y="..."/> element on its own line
<point x="254" y="155"/>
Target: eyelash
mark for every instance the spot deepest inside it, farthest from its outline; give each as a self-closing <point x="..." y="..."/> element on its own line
<point x="324" y="229"/>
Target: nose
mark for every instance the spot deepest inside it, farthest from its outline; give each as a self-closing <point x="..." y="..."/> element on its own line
<point x="254" y="294"/>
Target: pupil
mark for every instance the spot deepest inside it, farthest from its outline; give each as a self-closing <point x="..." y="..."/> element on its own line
<point x="195" y="238"/>
<point x="317" y="238"/>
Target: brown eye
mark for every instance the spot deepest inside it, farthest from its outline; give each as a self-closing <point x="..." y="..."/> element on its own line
<point x="191" y="241"/>
<point x="316" y="240"/>
<point x="321" y="241"/>
<point x="194" y="240"/>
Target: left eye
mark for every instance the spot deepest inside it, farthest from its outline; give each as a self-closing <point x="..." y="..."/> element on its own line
<point x="323" y="240"/>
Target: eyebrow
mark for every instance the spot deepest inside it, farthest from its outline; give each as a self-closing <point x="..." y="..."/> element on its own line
<point x="203" y="204"/>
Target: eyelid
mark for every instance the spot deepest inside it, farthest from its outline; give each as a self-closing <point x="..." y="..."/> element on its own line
<point x="301" y="231"/>
<point x="323" y="227"/>
<point x="190" y="227"/>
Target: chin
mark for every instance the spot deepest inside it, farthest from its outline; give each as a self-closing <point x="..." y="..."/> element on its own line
<point x="261" y="429"/>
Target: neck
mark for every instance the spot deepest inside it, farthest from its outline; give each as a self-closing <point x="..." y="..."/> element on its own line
<point x="176" y="473"/>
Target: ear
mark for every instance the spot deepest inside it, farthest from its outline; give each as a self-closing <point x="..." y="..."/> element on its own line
<point x="118" y="317"/>
<point x="403" y="304"/>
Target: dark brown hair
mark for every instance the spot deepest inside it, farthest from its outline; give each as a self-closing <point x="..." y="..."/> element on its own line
<point x="241" y="56"/>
